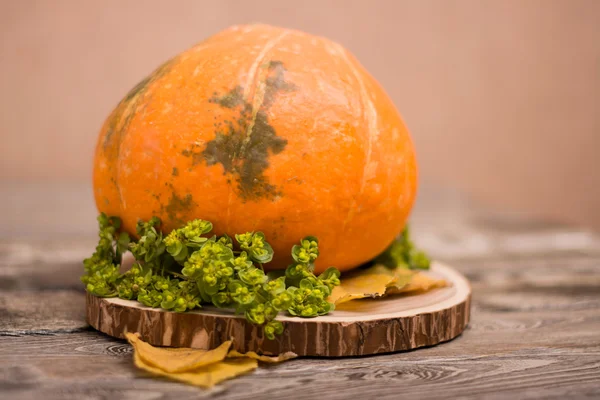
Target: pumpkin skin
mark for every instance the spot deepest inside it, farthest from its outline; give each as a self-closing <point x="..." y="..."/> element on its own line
<point x="260" y="128"/>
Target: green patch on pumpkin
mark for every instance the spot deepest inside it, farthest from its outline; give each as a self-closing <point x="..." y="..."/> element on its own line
<point x="177" y="207"/>
<point x="243" y="145"/>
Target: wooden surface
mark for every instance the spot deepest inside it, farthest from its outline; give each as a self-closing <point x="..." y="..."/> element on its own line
<point x="369" y="327"/>
<point x="534" y="330"/>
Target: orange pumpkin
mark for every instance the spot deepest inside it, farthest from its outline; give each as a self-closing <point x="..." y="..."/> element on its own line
<point x="265" y="129"/>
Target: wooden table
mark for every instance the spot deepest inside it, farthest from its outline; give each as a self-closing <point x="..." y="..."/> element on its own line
<point x="534" y="333"/>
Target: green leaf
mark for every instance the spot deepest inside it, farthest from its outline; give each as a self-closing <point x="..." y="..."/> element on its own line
<point x="244" y="239"/>
<point x="418" y="260"/>
<point x="275" y="286"/>
<point x="273" y="328"/>
<point x="226" y="241"/>
<point x="262" y="254"/>
<point x="240" y="293"/>
<point x="330" y="277"/>
<point x="306" y="284"/>
<point x="256" y="246"/>
<point x="296" y="272"/>
<point x="282" y="301"/>
<point x="402" y="253"/>
<point x="307" y="251"/>
<point x="122" y="244"/>
<point x="222" y="300"/>
<point x="252" y="276"/>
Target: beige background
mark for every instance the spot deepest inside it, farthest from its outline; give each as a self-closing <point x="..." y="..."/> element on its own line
<point x="502" y="97"/>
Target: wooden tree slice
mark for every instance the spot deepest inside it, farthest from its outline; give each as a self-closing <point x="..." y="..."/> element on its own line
<point x="360" y="327"/>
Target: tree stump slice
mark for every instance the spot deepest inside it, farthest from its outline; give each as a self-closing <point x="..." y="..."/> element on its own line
<point x="367" y="327"/>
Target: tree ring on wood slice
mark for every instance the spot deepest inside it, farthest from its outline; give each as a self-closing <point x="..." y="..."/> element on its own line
<point x="366" y="327"/>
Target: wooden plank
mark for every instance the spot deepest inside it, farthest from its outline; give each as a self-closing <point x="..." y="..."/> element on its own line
<point x="43" y="264"/>
<point x="533" y="331"/>
<point x="521" y="376"/>
<point x="78" y="366"/>
<point x="534" y="285"/>
<point x="532" y="350"/>
<point x="41" y="313"/>
<point x="491" y="332"/>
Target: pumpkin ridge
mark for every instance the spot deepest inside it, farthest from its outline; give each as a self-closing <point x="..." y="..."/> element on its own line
<point x="368" y="110"/>
<point x="258" y="100"/>
<point x="371" y="124"/>
<point x="259" y="60"/>
<point x="124" y="114"/>
<point x="251" y="77"/>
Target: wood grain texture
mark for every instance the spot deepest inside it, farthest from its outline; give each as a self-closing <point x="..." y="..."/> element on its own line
<point x="533" y="333"/>
<point x="371" y="327"/>
<point x="41" y="313"/>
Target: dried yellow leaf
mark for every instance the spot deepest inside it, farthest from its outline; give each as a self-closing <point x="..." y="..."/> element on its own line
<point x="402" y="278"/>
<point x="204" y="368"/>
<point x="181" y="360"/>
<point x="371" y="282"/>
<point x="378" y="281"/>
<point x="267" y="359"/>
<point x="206" y="376"/>
<point x="132" y="338"/>
<point x="419" y="283"/>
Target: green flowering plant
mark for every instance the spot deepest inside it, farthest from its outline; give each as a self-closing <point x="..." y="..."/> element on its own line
<point x="180" y="242"/>
<point x="187" y="268"/>
<point x="402" y="253"/>
<point x="256" y="246"/>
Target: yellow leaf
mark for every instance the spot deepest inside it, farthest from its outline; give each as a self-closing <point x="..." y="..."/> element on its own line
<point x="132" y="338"/>
<point x="206" y="376"/>
<point x="282" y="357"/>
<point x="204" y="368"/>
<point x="378" y="281"/>
<point x="419" y="283"/>
<point x="181" y="360"/>
<point x="370" y="282"/>
<point x="402" y="278"/>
